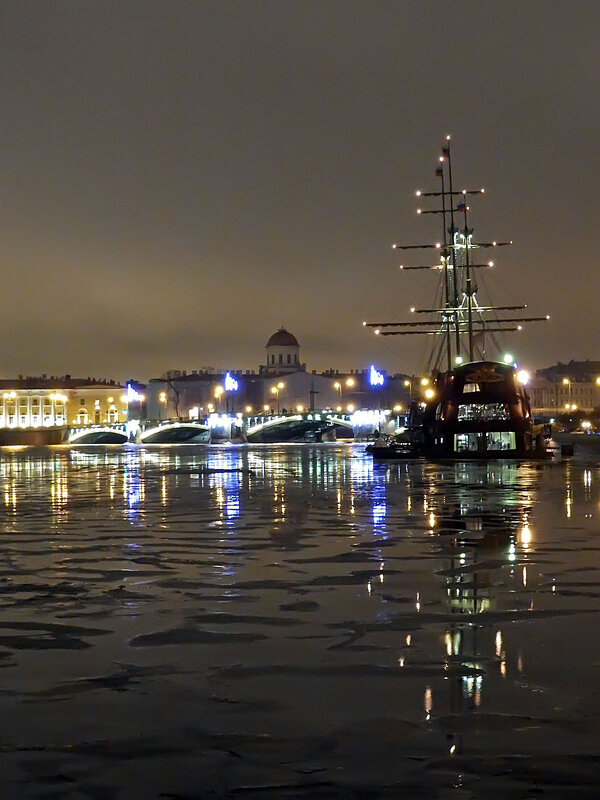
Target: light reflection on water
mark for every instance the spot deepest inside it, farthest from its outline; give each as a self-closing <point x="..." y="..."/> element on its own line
<point x="333" y="617"/>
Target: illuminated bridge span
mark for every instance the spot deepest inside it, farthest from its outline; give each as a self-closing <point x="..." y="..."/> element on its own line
<point x="300" y="428"/>
<point x="99" y="434"/>
<point x="176" y="433"/>
<point x="311" y="427"/>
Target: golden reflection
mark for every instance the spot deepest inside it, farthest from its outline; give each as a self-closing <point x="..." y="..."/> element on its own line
<point x="59" y="494"/>
<point x="164" y="495"/>
<point x="10" y="495"/>
<point x="525" y="536"/>
<point x="428" y="702"/>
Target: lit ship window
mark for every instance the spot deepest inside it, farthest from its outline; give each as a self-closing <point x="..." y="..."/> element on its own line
<point x="482" y="411"/>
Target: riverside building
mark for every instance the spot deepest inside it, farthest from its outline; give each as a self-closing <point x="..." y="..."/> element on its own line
<point x="281" y="384"/>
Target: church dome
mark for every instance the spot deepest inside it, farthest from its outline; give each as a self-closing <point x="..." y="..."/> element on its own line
<point x="282" y="338"/>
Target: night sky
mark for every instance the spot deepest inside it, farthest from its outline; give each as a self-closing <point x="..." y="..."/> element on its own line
<point x="180" y="179"/>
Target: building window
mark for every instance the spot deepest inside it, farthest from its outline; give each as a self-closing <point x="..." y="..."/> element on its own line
<point x="483" y="411"/>
<point x="82" y="401"/>
<point x="500" y="440"/>
<point x="97" y="416"/>
<point x="281" y="358"/>
<point x="289" y="358"/>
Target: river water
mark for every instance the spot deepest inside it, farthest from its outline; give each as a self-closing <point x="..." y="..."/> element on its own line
<point x="293" y="621"/>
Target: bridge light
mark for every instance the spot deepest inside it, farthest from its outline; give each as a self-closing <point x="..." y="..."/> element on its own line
<point x="429" y="394"/>
<point x="300" y="408"/>
<point x="273" y="390"/>
<point x="424" y="381"/>
<point x="266" y="407"/>
<point x="397" y="408"/>
<point x="350" y="408"/>
<point x="248" y="409"/>
<point x="338" y="408"/>
<point x="350" y="382"/>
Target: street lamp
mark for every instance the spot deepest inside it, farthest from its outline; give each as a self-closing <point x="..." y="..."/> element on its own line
<point x="218" y="392"/>
<point x="162" y="399"/>
<point x="276" y="389"/>
<point x="567" y="382"/>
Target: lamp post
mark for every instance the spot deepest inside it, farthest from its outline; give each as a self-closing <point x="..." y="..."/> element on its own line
<point x="408" y="384"/>
<point x="567" y="382"/>
<point x="218" y="392"/>
<point x="350" y="382"/>
<point x="162" y="399"/>
<point x="338" y="387"/>
<point x="276" y="389"/>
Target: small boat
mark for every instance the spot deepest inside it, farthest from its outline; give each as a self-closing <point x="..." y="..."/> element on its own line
<point x="474" y="402"/>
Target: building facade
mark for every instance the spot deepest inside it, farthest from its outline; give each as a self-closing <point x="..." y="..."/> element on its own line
<point x="564" y="388"/>
<point x="42" y="402"/>
<point x="281" y="385"/>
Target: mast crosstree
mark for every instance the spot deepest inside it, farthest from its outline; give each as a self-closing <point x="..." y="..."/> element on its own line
<point x="464" y="325"/>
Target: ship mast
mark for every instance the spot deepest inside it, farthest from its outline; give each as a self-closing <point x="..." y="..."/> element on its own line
<point x="460" y="319"/>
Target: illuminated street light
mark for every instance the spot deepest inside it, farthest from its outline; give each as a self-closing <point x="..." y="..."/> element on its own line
<point x="275" y="390"/>
<point x="162" y="399"/>
<point x="218" y="391"/>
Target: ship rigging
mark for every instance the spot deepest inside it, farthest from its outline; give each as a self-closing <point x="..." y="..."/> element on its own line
<point x="464" y="327"/>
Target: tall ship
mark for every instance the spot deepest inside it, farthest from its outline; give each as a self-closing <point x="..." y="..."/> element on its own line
<point x="475" y="403"/>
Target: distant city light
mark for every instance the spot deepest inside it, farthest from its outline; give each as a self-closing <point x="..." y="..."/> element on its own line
<point x="133" y="396"/>
<point x="231" y="385"/>
<point x="375" y="377"/>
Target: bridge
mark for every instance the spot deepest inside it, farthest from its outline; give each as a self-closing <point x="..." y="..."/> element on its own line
<point x="312" y="426"/>
<point x="300" y="428"/>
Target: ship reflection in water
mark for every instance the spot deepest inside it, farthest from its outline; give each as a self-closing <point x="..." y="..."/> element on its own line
<point x="295" y="620"/>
